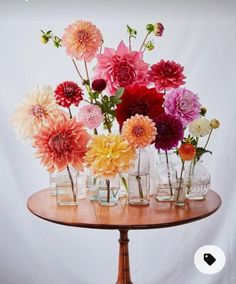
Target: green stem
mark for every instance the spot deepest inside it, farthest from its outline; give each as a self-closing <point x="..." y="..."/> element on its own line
<point x="77" y="69"/>
<point x="168" y="172"/>
<point x="72" y="183"/>
<point x="108" y="190"/>
<point x="143" y="43"/>
<point x="139" y="178"/>
<point x="86" y="70"/>
<point x="180" y="182"/>
<point x="130" y="43"/>
<point x="70" y="112"/>
<point x="209" y="136"/>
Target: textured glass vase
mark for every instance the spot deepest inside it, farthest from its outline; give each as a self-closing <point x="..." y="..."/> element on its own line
<point x="67" y="186"/>
<point x="139" y="180"/>
<point x="198" y="180"/>
<point x="108" y="189"/>
<point x="165" y="176"/>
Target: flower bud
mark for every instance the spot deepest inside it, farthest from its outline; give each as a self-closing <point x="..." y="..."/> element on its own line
<point x="214" y="123"/>
<point x="44" y="39"/>
<point x="158" y="29"/>
<point x="203" y="111"/>
<point x="99" y="85"/>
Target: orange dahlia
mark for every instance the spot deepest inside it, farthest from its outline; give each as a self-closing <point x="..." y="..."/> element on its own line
<point x="187" y="152"/>
<point x="82" y="40"/>
<point x="63" y="142"/>
<point x="139" y="131"/>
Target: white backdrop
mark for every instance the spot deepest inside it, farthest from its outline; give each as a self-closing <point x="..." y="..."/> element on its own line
<point x="201" y="36"/>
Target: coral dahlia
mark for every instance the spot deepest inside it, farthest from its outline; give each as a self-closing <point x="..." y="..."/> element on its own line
<point x="82" y="40"/>
<point x="139" y="131"/>
<point x="166" y="75"/>
<point x="68" y="93"/>
<point x="121" y="67"/>
<point x="63" y="142"/>
<point x="139" y="100"/>
<point x="169" y="131"/>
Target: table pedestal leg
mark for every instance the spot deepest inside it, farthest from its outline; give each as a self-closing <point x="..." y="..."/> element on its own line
<point x="124" y="271"/>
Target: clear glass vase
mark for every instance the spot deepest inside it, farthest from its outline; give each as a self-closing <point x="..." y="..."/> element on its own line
<point x="91" y="182"/>
<point x="180" y="192"/>
<point x="166" y="176"/>
<point x="139" y="180"/>
<point x="108" y="189"/>
<point x="67" y="186"/>
<point x="52" y="184"/>
<point x="198" y="180"/>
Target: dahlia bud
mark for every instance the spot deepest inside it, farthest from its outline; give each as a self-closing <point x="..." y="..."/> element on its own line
<point x="214" y="123"/>
<point x="203" y="111"/>
<point x="44" y="39"/>
<point x="158" y="29"/>
<point x="99" y="85"/>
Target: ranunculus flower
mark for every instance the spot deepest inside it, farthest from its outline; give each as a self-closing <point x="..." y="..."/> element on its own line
<point x="166" y="75"/>
<point x="169" y="131"/>
<point x="99" y="85"/>
<point x="183" y="104"/>
<point x="121" y="67"/>
<point x="139" y="100"/>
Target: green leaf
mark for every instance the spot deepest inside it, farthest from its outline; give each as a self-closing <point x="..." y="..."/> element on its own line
<point x="200" y="151"/>
<point x="48" y="33"/>
<point x="119" y="92"/>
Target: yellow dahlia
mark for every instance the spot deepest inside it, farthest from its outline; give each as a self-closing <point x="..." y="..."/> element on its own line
<point x="34" y="112"/>
<point x="82" y="40"/>
<point x="109" y="155"/>
<point x="139" y="131"/>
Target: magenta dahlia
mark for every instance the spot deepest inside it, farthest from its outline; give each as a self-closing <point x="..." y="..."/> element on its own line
<point x="166" y="75"/>
<point x="121" y="67"/>
<point x="139" y="100"/>
<point x="169" y="131"/>
<point x="183" y="104"/>
<point x="68" y="93"/>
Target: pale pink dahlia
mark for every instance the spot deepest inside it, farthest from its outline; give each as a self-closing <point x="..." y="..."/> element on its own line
<point x="82" y="40"/>
<point x="91" y="116"/>
<point x="121" y="67"/>
<point x="182" y="104"/>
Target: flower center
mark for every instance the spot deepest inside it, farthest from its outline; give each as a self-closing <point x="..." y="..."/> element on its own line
<point x="37" y="111"/>
<point x="138" y="130"/>
<point x="83" y="37"/>
<point x="124" y="73"/>
<point x="163" y="130"/>
<point x="58" y="143"/>
<point x="183" y="105"/>
<point x="69" y="91"/>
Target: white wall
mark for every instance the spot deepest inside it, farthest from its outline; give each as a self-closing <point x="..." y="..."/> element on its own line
<point x="200" y="35"/>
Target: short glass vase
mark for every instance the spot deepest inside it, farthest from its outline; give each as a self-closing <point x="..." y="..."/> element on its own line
<point x="139" y="180"/>
<point x="108" y="190"/>
<point x="180" y="192"/>
<point x="67" y="187"/>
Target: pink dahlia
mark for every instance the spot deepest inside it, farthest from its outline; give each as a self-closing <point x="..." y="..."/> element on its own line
<point x="169" y="131"/>
<point x="68" y="93"/>
<point x="121" y="67"/>
<point x="62" y="142"/>
<point x="82" y="40"/>
<point x="166" y="75"/>
<point x="183" y="104"/>
<point x="91" y="116"/>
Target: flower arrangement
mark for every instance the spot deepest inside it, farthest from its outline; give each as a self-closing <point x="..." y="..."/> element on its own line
<point x="148" y="101"/>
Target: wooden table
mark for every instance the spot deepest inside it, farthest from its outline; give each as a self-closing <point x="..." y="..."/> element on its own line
<point x="122" y="217"/>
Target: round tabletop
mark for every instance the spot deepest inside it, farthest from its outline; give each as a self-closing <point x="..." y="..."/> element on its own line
<point x="91" y="215"/>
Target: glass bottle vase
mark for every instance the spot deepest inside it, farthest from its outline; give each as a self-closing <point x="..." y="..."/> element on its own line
<point x="198" y="180"/>
<point x="139" y="180"/>
<point x="166" y="176"/>
<point x="67" y="186"/>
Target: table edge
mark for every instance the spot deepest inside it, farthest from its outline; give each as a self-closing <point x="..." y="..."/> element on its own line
<point x="131" y="227"/>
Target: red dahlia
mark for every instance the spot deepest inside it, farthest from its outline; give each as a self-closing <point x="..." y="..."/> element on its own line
<point x="166" y="75"/>
<point x="68" y="93"/>
<point x="139" y="100"/>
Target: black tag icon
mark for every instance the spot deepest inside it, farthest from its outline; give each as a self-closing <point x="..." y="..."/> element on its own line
<point x="209" y="258"/>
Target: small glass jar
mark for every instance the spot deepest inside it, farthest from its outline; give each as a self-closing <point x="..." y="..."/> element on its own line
<point x="52" y="184"/>
<point x="139" y="180"/>
<point x="180" y="192"/>
<point x="166" y="176"/>
<point x="198" y="180"/>
<point x="91" y="182"/>
<point x="67" y="186"/>
<point x="108" y="188"/>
